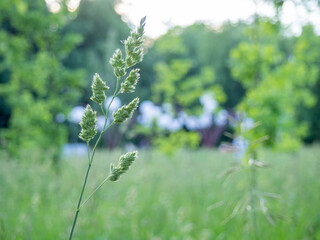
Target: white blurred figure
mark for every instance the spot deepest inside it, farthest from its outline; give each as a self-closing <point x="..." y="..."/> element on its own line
<point x="166" y="121"/>
<point x="130" y="147"/>
<point x="163" y="117"/>
<point x="241" y="145"/>
<point x="72" y="149"/>
<point x="221" y="118"/>
<point x="167" y="108"/>
<point x="148" y="113"/>
<point x="76" y="114"/>
<point x="100" y="122"/>
<point x="114" y="105"/>
<point x="191" y="122"/>
<point x="197" y="123"/>
<point x="247" y="124"/>
<point x="208" y="102"/>
<point x="205" y="120"/>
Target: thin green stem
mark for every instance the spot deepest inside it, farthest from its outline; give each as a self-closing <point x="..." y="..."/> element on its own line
<point x="104" y="130"/>
<point x="116" y="92"/>
<point x="86" y="178"/>
<point x="90" y="196"/>
<point x="105" y="122"/>
<point x="97" y="142"/>
<point x="88" y="148"/>
<point x="81" y="194"/>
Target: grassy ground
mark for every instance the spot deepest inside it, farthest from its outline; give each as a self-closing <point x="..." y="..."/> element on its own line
<point x="168" y="198"/>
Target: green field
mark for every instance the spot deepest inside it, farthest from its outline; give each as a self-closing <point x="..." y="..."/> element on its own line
<point x="179" y="197"/>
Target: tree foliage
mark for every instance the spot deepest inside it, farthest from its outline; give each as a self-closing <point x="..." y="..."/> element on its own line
<point x="277" y="86"/>
<point x="201" y="50"/>
<point x="187" y="63"/>
<point x="101" y="28"/>
<point x="35" y="84"/>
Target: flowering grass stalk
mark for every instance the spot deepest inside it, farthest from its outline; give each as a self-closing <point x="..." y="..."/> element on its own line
<point x="253" y="200"/>
<point x="133" y="55"/>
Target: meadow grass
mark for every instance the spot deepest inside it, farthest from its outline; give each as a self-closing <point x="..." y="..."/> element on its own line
<point x="178" y="197"/>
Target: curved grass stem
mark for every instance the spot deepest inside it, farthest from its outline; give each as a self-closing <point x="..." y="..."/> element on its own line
<point x="91" y="159"/>
<point x="81" y="194"/>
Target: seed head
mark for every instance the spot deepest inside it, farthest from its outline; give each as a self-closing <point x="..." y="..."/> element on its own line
<point x="129" y="85"/>
<point x="118" y="64"/>
<point x="142" y="24"/>
<point x="88" y="124"/>
<point x="133" y="45"/>
<point x="126" y="111"/>
<point x="98" y="89"/>
<point x="125" y="162"/>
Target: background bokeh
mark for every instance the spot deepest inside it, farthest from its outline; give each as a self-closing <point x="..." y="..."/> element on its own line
<point x="241" y="77"/>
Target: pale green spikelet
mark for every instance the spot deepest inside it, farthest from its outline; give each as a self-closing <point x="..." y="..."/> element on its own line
<point x="134" y="58"/>
<point x="98" y="89"/>
<point x="142" y="24"/>
<point x="125" y="162"/>
<point x="115" y="173"/>
<point x="137" y="36"/>
<point x="126" y="111"/>
<point x="88" y="124"/>
<point x="118" y="64"/>
<point x="129" y="85"/>
<point x="133" y="45"/>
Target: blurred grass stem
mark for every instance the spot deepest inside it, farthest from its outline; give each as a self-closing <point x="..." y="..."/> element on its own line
<point x="252" y="186"/>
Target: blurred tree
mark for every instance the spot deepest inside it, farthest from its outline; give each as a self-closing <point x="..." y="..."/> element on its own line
<point x="211" y="47"/>
<point x="35" y="86"/>
<point x="188" y="62"/>
<point x="180" y="78"/>
<point x="206" y="47"/>
<point x="102" y="29"/>
<point x="177" y="140"/>
<point x="305" y="53"/>
<point x="301" y="49"/>
<point x="277" y="85"/>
